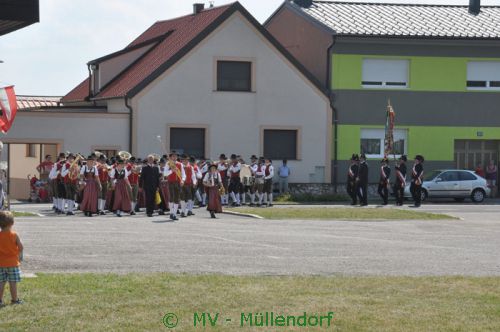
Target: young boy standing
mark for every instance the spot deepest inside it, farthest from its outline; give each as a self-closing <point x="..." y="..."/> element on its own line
<point x="11" y="250"/>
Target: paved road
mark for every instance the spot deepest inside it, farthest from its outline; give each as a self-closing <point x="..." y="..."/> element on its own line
<point x="235" y="245"/>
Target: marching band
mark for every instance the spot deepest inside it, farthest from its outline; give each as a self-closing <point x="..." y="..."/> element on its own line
<point x="172" y="183"/>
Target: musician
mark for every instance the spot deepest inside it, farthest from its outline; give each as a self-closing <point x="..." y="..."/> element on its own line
<point x="199" y="178"/>
<point x="244" y="188"/>
<point x="150" y="182"/>
<point x="260" y="174"/>
<point x="417" y="175"/>
<point x="352" y="174"/>
<point x="213" y="181"/>
<point x="268" y="182"/>
<point x="362" y="181"/>
<point x="253" y="186"/>
<point x="121" y="199"/>
<point x="174" y="172"/>
<point x="203" y="166"/>
<point x="165" y="196"/>
<point x="90" y="176"/>
<point x="58" y="183"/>
<point x="222" y="167"/>
<point x="103" y="170"/>
<point x="70" y="173"/>
<point x="133" y="178"/>
<point x="383" y="185"/>
<point x="190" y="182"/>
<point x="399" y="186"/>
<point x="233" y="173"/>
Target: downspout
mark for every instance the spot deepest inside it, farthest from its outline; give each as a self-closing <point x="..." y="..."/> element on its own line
<point x="130" y="123"/>
<point x="334" y="111"/>
<point x="90" y="81"/>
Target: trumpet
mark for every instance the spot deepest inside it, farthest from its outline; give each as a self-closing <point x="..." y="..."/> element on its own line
<point x="125" y="155"/>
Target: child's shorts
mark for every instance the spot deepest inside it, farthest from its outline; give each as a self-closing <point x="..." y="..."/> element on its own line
<point x="11" y="274"/>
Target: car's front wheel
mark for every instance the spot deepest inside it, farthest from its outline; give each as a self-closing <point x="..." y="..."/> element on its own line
<point x="478" y="195"/>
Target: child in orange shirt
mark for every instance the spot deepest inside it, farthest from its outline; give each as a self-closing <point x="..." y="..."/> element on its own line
<point x="11" y="251"/>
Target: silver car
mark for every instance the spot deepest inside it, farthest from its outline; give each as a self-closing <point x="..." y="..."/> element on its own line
<point x="453" y="183"/>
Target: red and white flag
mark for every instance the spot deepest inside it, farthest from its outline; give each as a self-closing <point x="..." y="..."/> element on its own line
<point x="8" y="106"/>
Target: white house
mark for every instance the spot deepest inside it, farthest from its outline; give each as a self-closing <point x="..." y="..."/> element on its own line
<point x="211" y="82"/>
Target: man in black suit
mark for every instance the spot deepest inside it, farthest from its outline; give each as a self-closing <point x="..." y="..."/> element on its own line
<point x="362" y="181"/>
<point x="150" y="182"/>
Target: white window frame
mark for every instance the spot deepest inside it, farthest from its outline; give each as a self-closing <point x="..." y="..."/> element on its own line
<point x="379" y="133"/>
<point x="483" y="75"/>
<point x="384" y="64"/>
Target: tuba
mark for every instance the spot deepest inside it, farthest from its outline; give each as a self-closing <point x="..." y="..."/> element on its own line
<point x="98" y="154"/>
<point x="125" y="155"/>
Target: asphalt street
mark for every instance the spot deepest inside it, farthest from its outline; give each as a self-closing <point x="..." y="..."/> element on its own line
<point x="238" y="245"/>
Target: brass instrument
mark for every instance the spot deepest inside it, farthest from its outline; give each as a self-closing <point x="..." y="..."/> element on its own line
<point x="73" y="170"/>
<point x="222" y="190"/>
<point x="156" y="157"/>
<point x="125" y="155"/>
<point x="174" y="168"/>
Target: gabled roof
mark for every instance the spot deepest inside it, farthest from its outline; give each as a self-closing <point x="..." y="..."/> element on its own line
<point x="174" y="38"/>
<point x="404" y="20"/>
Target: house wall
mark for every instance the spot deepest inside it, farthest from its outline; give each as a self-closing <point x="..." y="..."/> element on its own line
<point x="307" y="41"/>
<point x="185" y="95"/>
<point x="436" y="109"/>
<point x="75" y="132"/>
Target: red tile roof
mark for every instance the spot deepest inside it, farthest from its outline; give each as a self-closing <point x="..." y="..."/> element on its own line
<point x="180" y="33"/>
<point x="25" y="103"/>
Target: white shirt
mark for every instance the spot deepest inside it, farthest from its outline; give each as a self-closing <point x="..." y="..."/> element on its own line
<point x="234" y="169"/>
<point x="204" y="168"/>
<point x="271" y="171"/>
<point x="53" y="172"/>
<point x="113" y="172"/>
<point x="93" y="170"/>
<point x="207" y="180"/>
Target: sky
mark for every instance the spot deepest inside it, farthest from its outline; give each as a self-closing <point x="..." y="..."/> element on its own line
<point x="49" y="58"/>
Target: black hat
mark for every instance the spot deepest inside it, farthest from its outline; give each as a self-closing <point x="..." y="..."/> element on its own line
<point x="222" y="156"/>
<point x="212" y="165"/>
<point x="132" y="159"/>
<point x="62" y="155"/>
<point x="184" y="156"/>
<point x="172" y="153"/>
<point x="233" y="156"/>
<point x="91" y="157"/>
<point x="120" y="161"/>
<point x="163" y="160"/>
<point x="384" y="160"/>
<point x="192" y="159"/>
<point x="419" y="158"/>
<point x="354" y="157"/>
<point x="253" y="157"/>
<point x="362" y="156"/>
<point x="403" y="158"/>
<point x="71" y="155"/>
<point x="164" y="156"/>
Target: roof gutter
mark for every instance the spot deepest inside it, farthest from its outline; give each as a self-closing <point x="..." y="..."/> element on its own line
<point x="130" y="122"/>
<point x="331" y="97"/>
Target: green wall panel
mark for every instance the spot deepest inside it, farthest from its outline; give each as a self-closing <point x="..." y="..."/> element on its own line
<point x="426" y="73"/>
<point x="435" y="143"/>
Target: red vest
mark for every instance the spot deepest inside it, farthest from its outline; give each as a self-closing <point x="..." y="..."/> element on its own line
<point x="235" y="174"/>
<point x="267" y="171"/>
<point x="188" y="169"/>
<point x="103" y="174"/>
<point x="133" y="178"/>
<point x="173" y="177"/>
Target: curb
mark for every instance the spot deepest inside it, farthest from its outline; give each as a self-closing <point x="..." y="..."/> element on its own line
<point x="248" y="215"/>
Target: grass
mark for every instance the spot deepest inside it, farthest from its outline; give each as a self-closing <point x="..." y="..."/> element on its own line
<point x="97" y="302"/>
<point x="23" y="214"/>
<point x="310" y="198"/>
<point x="342" y="213"/>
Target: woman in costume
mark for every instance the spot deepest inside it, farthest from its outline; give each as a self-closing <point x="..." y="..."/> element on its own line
<point x="213" y="181"/>
<point x="121" y="200"/>
<point x="90" y="176"/>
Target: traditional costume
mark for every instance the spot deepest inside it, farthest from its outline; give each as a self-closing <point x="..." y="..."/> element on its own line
<point x="104" y="179"/>
<point x="70" y="174"/>
<point x="417" y="175"/>
<point x="121" y="199"/>
<point x="222" y="167"/>
<point x="190" y="182"/>
<point x="90" y="176"/>
<point x="174" y="172"/>
<point x="213" y="182"/>
<point x="233" y="173"/>
<point x="268" y="183"/>
<point x="383" y="185"/>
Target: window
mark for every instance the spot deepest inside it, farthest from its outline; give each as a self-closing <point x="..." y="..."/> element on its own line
<point x="483" y="75"/>
<point x="234" y="76"/>
<point x="372" y="142"/>
<point x="31" y="150"/>
<point x="466" y="176"/>
<point x="280" y="144"/>
<point x="381" y="73"/>
<point x="190" y="141"/>
<point x="449" y="176"/>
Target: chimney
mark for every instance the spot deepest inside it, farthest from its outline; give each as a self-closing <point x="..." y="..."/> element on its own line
<point x="198" y="7"/>
<point x="303" y="3"/>
<point x="474" y="7"/>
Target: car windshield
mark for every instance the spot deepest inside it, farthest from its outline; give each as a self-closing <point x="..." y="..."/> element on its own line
<point x="431" y="175"/>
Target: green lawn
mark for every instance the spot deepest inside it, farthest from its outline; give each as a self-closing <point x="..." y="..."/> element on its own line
<point x="90" y="302"/>
<point x="341" y="213"/>
<point x="23" y="214"/>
